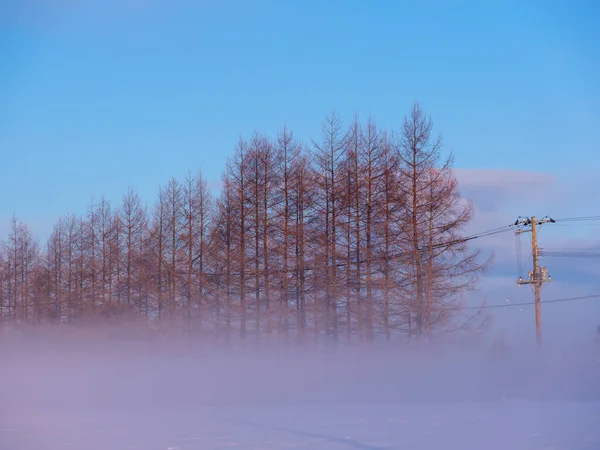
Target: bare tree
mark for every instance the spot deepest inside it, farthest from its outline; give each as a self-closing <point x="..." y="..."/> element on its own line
<point x="237" y="179"/>
<point x="371" y="159"/>
<point x="197" y="214"/>
<point x="91" y="239"/>
<point x="303" y="203"/>
<point x="174" y="227"/>
<point x="432" y="214"/>
<point x="22" y="255"/>
<point x="190" y="219"/>
<point x="157" y="247"/>
<point x="205" y="204"/>
<point x="288" y="152"/>
<point x="452" y="267"/>
<point x="386" y="232"/>
<point x="54" y="266"/>
<point x="132" y="217"/>
<point x="103" y="228"/>
<point x="254" y="198"/>
<point x="354" y="186"/>
<point x="270" y="180"/>
<point x="328" y="158"/>
<point x="225" y="248"/>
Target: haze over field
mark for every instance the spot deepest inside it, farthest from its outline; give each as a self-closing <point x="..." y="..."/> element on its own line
<point x="65" y="390"/>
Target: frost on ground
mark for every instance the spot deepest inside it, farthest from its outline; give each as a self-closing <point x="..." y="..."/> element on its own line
<point x="507" y="425"/>
<point x="120" y="397"/>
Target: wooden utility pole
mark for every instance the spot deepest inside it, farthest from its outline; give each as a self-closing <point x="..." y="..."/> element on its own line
<point x="537" y="280"/>
<point x="539" y="275"/>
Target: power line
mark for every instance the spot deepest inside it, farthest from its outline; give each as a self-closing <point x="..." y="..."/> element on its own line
<point x="578" y="219"/>
<point x="557" y="300"/>
<point x="375" y="259"/>
<point x="519" y="256"/>
<point x="470" y="238"/>
<point x="579" y="225"/>
<point x="570" y="254"/>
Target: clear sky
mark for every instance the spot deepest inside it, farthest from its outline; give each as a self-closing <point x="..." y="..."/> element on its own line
<point x="96" y="96"/>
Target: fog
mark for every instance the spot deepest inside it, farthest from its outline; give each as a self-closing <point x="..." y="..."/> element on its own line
<point x="103" y="390"/>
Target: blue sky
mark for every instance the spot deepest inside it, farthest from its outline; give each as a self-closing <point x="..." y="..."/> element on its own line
<point x="98" y="96"/>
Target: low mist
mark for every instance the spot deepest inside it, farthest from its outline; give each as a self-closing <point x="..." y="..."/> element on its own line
<point x="50" y="380"/>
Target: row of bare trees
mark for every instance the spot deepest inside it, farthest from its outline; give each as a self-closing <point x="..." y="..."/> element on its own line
<point x="357" y="234"/>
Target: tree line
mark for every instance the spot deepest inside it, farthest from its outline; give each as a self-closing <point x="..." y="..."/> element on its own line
<point x="355" y="235"/>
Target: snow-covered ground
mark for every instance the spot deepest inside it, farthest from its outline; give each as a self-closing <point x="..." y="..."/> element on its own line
<point x="509" y="425"/>
<point x="91" y="397"/>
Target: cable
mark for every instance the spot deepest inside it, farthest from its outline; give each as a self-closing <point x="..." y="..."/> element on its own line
<point x="475" y="236"/>
<point x="579" y="225"/>
<point x="569" y="254"/>
<point x="557" y="300"/>
<point x="393" y="256"/>
<point x="578" y="219"/>
<point x="519" y="256"/>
